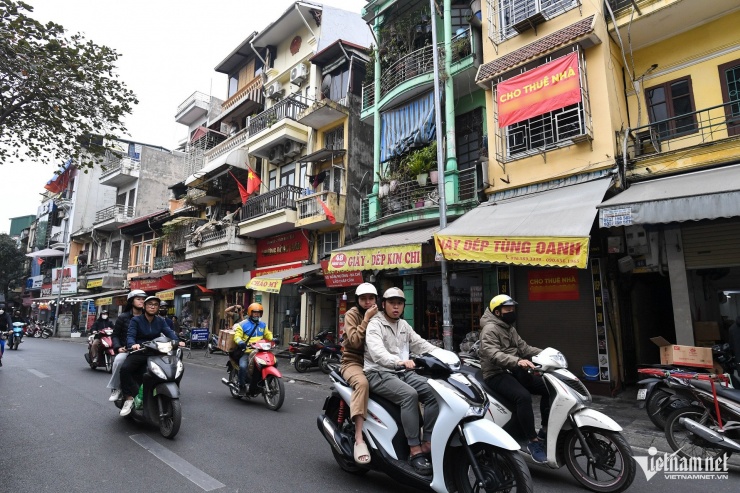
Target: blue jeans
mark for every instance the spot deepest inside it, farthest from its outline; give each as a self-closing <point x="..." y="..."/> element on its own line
<point x="2" y="346"/>
<point x="243" y="369"/>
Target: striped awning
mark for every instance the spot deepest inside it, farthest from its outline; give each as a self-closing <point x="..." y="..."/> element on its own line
<point x="411" y="125"/>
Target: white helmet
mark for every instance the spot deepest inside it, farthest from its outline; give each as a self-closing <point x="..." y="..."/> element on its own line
<point x="136" y="292"/>
<point x="366" y="288"/>
<point x="394" y="293"/>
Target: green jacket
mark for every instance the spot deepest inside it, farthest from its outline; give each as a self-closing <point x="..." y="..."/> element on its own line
<point x="500" y="346"/>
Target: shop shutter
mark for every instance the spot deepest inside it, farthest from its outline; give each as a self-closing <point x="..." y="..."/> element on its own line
<point x="711" y="244"/>
<point x="568" y="326"/>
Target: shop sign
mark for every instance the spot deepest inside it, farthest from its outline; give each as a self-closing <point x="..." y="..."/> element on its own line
<point x="95" y="283"/>
<point x="67" y="277"/>
<point x="395" y="257"/>
<point x="108" y="300"/>
<point x="527" y="250"/>
<point x="546" y="88"/>
<point x="34" y="282"/>
<point x="166" y="295"/>
<point x="283" y="248"/>
<point x="154" y="284"/>
<point x="602" y="341"/>
<point x="340" y="279"/>
<point x="553" y="285"/>
<point x="46" y="290"/>
<point x="266" y="285"/>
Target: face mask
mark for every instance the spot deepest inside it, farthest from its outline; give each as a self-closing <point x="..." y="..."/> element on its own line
<point x="105" y="317"/>
<point x="254" y="319"/>
<point x="509" y="317"/>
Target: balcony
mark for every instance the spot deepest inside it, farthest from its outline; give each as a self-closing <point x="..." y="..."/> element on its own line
<point x="688" y="136"/>
<point x="139" y="269"/>
<point x="323" y="112"/>
<point x="311" y="215"/>
<point x="270" y="213"/>
<point x="198" y="196"/>
<point x="244" y="102"/>
<point x="164" y="262"/>
<point x="219" y="243"/>
<point x="178" y="238"/>
<point x="110" y="218"/>
<point x="275" y="126"/>
<point x="193" y="108"/>
<point x="118" y="170"/>
<point x="105" y="265"/>
<point x="654" y="21"/>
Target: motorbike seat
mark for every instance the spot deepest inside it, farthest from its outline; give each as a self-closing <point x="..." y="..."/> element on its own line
<point x="504" y="401"/>
<point x="732" y="394"/>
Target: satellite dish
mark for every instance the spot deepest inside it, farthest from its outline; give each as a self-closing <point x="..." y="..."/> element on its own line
<point x="326" y="86"/>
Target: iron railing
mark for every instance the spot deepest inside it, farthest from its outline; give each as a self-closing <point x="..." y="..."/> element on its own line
<point x="139" y="269"/>
<point x="309" y="206"/>
<point x="281" y="198"/>
<point x="105" y="265"/>
<point x="114" y="211"/>
<point x="286" y="108"/>
<point x="115" y="163"/>
<point x="164" y="262"/>
<point x="682" y="132"/>
<point x="197" y="96"/>
<point x="178" y="238"/>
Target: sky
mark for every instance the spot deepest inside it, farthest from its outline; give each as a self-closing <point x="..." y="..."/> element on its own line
<point x="168" y="51"/>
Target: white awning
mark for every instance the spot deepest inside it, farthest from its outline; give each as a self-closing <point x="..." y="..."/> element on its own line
<point x="236" y="158"/>
<point x="49" y="252"/>
<point x="707" y="194"/>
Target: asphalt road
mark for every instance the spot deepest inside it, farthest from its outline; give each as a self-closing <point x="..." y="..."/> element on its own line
<point x="58" y="432"/>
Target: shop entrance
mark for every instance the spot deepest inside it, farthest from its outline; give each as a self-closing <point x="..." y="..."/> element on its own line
<point x="652" y="316"/>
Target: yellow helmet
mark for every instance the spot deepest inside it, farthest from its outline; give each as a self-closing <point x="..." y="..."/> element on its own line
<point x="501" y="300"/>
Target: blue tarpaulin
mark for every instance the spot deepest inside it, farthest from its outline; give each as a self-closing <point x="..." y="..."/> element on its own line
<point x="411" y="125"/>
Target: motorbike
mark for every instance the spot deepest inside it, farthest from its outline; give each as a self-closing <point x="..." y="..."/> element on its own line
<point x="160" y="405"/>
<point x="322" y="353"/>
<point x="213" y="344"/>
<point x="266" y="379"/>
<point x="586" y="441"/>
<point x="106" y="353"/>
<point x="15" y="336"/>
<point x="469" y="453"/>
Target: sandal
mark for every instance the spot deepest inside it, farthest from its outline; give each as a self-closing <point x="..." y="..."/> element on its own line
<point x="421" y="464"/>
<point x="360" y="452"/>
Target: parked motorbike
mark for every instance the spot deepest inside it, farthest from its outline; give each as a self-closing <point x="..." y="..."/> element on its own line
<point x="586" y="441"/>
<point x="15" y="335"/>
<point x="469" y="453"/>
<point x="266" y="379"/>
<point x="47" y="329"/>
<point x="321" y="353"/>
<point x="213" y="344"/>
<point x="106" y="353"/>
<point x="160" y="404"/>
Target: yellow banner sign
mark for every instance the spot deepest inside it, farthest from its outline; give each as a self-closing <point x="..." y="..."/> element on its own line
<point x="529" y="250"/>
<point x="381" y="258"/>
<point x="108" y="300"/>
<point x="266" y="285"/>
<point x="95" y="283"/>
<point x="165" y="295"/>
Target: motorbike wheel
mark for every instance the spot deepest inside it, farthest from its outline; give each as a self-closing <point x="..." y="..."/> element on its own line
<point x="234" y="381"/>
<point x="326" y="360"/>
<point x="37" y="333"/>
<point x="503" y="470"/>
<point x="614" y="468"/>
<point x="169" y="423"/>
<point x="688" y="444"/>
<point x="109" y="363"/>
<point x="274" y="392"/>
<point x="45" y="334"/>
<point x="302" y="365"/>
<point x="655" y="413"/>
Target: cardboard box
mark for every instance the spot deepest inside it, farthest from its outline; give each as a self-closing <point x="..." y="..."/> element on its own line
<point x="673" y="354"/>
<point x="706" y="331"/>
<point x="226" y="340"/>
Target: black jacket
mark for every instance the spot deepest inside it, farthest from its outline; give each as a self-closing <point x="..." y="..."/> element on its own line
<point x="101" y="324"/>
<point x="120" y="330"/>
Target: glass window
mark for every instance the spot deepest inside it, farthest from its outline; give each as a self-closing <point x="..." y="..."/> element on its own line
<point x="671" y="108"/>
<point x="544" y="131"/>
<point x="468" y="136"/>
<point x="303" y="176"/>
<point x="513" y="12"/>
<point x="334" y="138"/>
<point x="287" y="175"/>
<point x="273" y="179"/>
<point x="233" y="84"/>
<point x="327" y="243"/>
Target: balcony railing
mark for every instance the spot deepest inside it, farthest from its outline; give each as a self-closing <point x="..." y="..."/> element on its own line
<point x="105" y="265"/>
<point x="139" y="269"/>
<point x="114" y="211"/>
<point x="165" y="262"/>
<point x="309" y="206"/>
<point x="179" y="237"/>
<point x="197" y="96"/>
<point x="281" y="198"/>
<point x="115" y="163"/>
<point x="286" y="108"/>
<point x="709" y="125"/>
<point x="252" y="91"/>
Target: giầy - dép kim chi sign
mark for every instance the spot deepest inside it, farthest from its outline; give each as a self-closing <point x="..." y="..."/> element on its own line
<point x="393" y="257"/>
<point x="547" y="251"/>
<point x="549" y="87"/>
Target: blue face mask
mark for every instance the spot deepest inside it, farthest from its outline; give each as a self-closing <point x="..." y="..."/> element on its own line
<point x="254" y="319"/>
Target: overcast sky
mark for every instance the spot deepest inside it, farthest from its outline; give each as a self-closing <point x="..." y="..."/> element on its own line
<point x="168" y="50"/>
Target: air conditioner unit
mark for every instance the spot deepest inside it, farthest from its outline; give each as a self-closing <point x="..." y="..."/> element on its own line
<point x="277" y="154"/>
<point x="274" y="90"/>
<point x="293" y="148"/>
<point x="298" y="74"/>
<point x="209" y="211"/>
<point x="125" y="284"/>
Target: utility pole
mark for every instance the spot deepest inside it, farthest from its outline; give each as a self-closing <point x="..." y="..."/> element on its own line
<point x="66" y="209"/>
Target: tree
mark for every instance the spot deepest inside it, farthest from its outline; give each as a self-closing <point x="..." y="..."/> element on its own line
<point x="12" y="265"/>
<point x="60" y="97"/>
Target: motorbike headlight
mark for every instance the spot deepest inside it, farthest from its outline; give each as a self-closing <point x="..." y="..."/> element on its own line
<point x="154" y="368"/>
<point x="260" y="361"/>
<point x="180" y="369"/>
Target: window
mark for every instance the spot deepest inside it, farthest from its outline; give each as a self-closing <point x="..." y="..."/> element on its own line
<point x="671" y="108"/>
<point x="514" y="16"/>
<point x="303" y="176"/>
<point x="334" y="138"/>
<point x="273" y="179"/>
<point x="468" y="132"/>
<point x="327" y="243"/>
<point x="233" y="84"/>
<point x="545" y="131"/>
<point x="287" y="175"/>
<point x="333" y="180"/>
<point x="729" y="75"/>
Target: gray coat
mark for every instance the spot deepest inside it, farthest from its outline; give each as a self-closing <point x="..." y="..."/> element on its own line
<point x="385" y="348"/>
<point x="500" y="346"/>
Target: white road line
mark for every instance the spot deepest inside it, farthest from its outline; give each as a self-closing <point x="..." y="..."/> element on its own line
<point x="206" y="482"/>
<point x="37" y="373"/>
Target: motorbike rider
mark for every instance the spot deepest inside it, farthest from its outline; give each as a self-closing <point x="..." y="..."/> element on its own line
<point x="100" y="324"/>
<point x="389" y="342"/>
<point x="506" y="369"/>
<point x="142" y="328"/>
<point x="5" y="324"/>
<point x="353" y="359"/>
<point x="17" y="318"/>
<point x="163" y="313"/>
<point x="246" y="332"/>
<point x="134" y="307"/>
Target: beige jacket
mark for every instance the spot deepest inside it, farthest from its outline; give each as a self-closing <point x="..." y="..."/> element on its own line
<point x="354" y="337"/>
<point x="386" y="347"/>
<point x="500" y="346"/>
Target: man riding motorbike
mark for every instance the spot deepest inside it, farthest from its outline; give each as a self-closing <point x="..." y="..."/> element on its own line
<point x="5" y="324"/>
<point x="134" y="307"/>
<point x="246" y="332"/>
<point x="100" y="324"/>
<point x="163" y="307"/>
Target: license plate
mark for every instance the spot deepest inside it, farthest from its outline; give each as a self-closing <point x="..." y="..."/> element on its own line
<point x="641" y="394"/>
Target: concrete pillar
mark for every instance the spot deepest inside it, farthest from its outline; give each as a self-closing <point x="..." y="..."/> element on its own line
<point x="679" y="286"/>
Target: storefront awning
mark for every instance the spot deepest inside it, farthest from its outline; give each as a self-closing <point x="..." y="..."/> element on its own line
<point x="391" y="251"/>
<point x="707" y="194"/>
<point x="49" y="252"/>
<point x="116" y="292"/>
<point x="236" y="158"/>
<point x="272" y="282"/>
<point x="169" y="294"/>
<point x="549" y="228"/>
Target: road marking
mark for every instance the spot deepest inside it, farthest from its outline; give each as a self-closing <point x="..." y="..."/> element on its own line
<point x="38" y="373"/>
<point x="206" y="482"/>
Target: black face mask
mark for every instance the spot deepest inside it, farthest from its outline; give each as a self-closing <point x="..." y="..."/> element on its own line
<point x="509" y="317"/>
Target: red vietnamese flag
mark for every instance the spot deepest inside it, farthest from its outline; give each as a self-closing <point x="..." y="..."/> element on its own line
<point x="39" y="260"/>
<point x="327" y="211"/>
<point x="253" y="181"/>
<point x="242" y="191"/>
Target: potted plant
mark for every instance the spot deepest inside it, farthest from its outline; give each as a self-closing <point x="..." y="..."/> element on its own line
<point x="418" y="164"/>
<point x="384" y="185"/>
<point x="417" y="198"/>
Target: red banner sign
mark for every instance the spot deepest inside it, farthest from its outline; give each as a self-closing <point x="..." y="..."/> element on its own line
<point x="550" y="87"/>
<point x="553" y="285"/>
<point x="340" y="279"/>
<point x="281" y="249"/>
<point x="271" y="270"/>
<point x="156" y="284"/>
